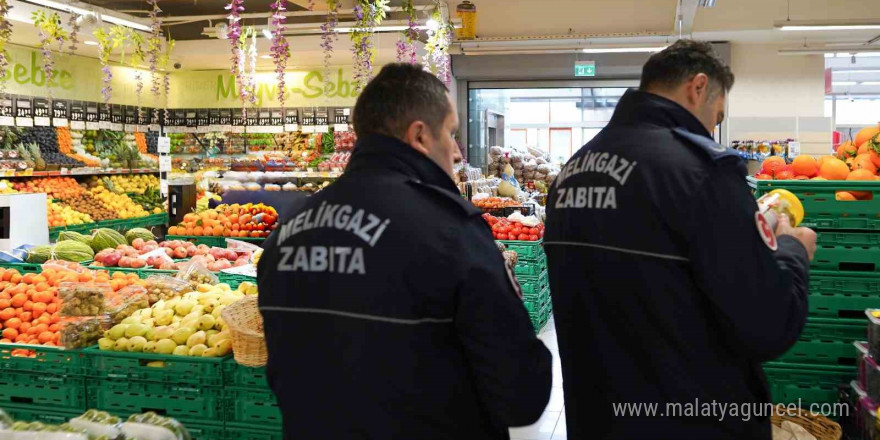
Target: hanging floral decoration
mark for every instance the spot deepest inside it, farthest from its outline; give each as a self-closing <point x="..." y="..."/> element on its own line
<point x="406" y="43"/>
<point x="328" y="37"/>
<point x="137" y="57"/>
<point x="154" y="46"/>
<point x="73" y="22"/>
<point x="368" y="14"/>
<point x="5" y="33"/>
<point x="105" y="46"/>
<point x="50" y="30"/>
<point x="250" y="79"/>
<point x="280" y="47"/>
<point x="436" y="58"/>
<point x="166" y="81"/>
<point x="311" y="5"/>
<point x="234" y="34"/>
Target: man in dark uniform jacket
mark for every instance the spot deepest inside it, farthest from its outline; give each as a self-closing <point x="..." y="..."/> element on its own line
<point x="664" y="288"/>
<point x="388" y="310"/>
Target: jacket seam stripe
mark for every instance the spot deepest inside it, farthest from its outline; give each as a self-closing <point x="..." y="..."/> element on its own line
<point x="359" y="315"/>
<point x="617" y="249"/>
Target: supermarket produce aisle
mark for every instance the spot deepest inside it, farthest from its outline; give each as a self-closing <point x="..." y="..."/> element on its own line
<point x="551" y="425"/>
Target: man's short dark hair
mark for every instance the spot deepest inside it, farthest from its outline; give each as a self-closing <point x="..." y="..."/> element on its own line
<point x="682" y="61"/>
<point x="398" y="96"/>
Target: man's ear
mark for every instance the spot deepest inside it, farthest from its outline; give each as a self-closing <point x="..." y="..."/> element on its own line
<point x="415" y="136"/>
<point x="698" y="89"/>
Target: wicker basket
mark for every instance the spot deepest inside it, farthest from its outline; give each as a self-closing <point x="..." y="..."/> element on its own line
<point x="819" y="426"/>
<point x="246" y="325"/>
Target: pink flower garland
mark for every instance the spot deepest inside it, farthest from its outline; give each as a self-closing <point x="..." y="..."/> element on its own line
<point x="280" y="47"/>
<point x="154" y="44"/>
<point x="235" y="8"/>
<point x="5" y="33"/>
<point x="328" y="37"/>
<point x="73" y="22"/>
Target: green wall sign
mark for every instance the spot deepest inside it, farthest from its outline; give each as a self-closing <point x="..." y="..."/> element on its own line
<point x="584" y="68"/>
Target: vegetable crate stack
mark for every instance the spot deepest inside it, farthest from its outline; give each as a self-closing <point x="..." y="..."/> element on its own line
<point x="531" y="273"/>
<point x="253" y="411"/>
<point x="42" y="380"/>
<point x="844" y="281"/>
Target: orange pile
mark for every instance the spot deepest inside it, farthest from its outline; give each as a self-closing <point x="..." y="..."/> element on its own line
<point x="65" y="143"/>
<point x="55" y="187"/>
<point x="141" y="140"/>
<point x="235" y="220"/>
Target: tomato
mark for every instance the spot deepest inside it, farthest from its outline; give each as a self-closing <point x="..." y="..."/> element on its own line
<point x="533" y="231"/>
<point x="502" y="236"/>
<point x="506" y="229"/>
<point x="541" y="234"/>
<point x="533" y="237"/>
<point x="523" y="237"/>
<point x="269" y="219"/>
<point x="516" y="231"/>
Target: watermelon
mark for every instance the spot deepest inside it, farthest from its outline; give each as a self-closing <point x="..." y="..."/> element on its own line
<point x="72" y="250"/>
<point x="76" y="236"/>
<point x="39" y="254"/>
<point x="106" y="238"/>
<point x="141" y="233"/>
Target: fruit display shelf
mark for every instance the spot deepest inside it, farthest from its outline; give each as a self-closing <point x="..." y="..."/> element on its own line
<point x="118" y="224"/>
<point x="78" y="172"/>
<point x="212" y="240"/>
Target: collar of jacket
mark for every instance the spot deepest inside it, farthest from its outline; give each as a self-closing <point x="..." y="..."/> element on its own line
<point x="379" y="152"/>
<point x="642" y="107"/>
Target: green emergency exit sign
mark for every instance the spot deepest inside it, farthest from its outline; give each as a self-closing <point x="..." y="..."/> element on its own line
<point x="585" y="68"/>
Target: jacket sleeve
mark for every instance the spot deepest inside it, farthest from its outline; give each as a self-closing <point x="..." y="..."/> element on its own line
<point x="758" y="295"/>
<point x="511" y="367"/>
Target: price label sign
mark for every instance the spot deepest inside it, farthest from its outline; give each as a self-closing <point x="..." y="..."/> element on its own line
<point x="164" y="144"/>
<point x="264" y="117"/>
<point x="165" y="163"/>
<point x="214" y="116"/>
<point x="203" y="118"/>
<point x="23" y="108"/>
<point x="60" y="113"/>
<point x="41" y="108"/>
<point x="225" y="116"/>
<point x="341" y="115"/>
<point x="237" y="118"/>
<point x="308" y="118"/>
<point x="24" y="122"/>
<point x="277" y="117"/>
<point x="131" y="115"/>
<point x="191" y="118"/>
<point x="7" y="107"/>
<point x="144" y="116"/>
<point x="104" y="114"/>
<point x="252" y="118"/>
<point x="117" y="114"/>
<point x="77" y="111"/>
<point x="42" y="121"/>
<point x="321" y="117"/>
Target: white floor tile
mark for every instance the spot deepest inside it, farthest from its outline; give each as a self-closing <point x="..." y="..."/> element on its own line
<point x="557" y="400"/>
<point x="541" y="430"/>
<point x="560" y="432"/>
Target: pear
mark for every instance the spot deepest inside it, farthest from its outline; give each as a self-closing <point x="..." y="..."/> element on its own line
<point x="165" y="346"/>
<point x="181" y="350"/>
<point x="209" y="353"/>
<point x="197" y="350"/>
<point x="211" y="304"/>
<point x="181" y="335"/>
<point x="223" y="286"/>
<point x="156" y="364"/>
<point x="198" y="309"/>
<point x="159" y="305"/>
<point x="252" y="290"/>
<point x="145" y="313"/>
<point x="209" y="333"/>
<point x="149" y="334"/>
<point x="150" y="347"/>
<point x="223" y="347"/>
<point x="175" y="319"/>
<point x="171" y="303"/>
<point x="149" y="322"/>
<point x="183" y="307"/>
<point x="197" y="338"/>
<point x="135" y="330"/>
<point x="121" y="344"/>
<point x="206" y="322"/>
<point x="131" y="320"/>
<point x="218" y="310"/>
<point x="163" y="317"/>
<point x="105" y="344"/>
<point x="204" y="288"/>
<point x="136" y="343"/>
<point x="118" y="331"/>
<point x="163" y="332"/>
<point x="215" y="339"/>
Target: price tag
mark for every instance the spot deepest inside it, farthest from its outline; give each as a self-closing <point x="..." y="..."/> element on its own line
<point x="275" y="129"/>
<point x="8" y="121"/>
<point x="341" y="116"/>
<point x="225" y="128"/>
<point x="115" y="126"/>
<point x="64" y="171"/>
<point x="77" y="125"/>
<point x="154" y="127"/>
<point x="130" y="128"/>
<point x="291" y="127"/>
<point x="163" y="187"/>
<point x="164" y="144"/>
<point x="105" y="125"/>
<point x="794" y="149"/>
<point x="93" y="125"/>
<point x="308" y="128"/>
<point x="41" y="107"/>
<point x="236" y="129"/>
<point x="60" y="122"/>
<point x="23" y="108"/>
<point x="203" y="129"/>
<point x="7" y="108"/>
<point x="24" y="122"/>
<point x="322" y="128"/>
<point x="42" y="121"/>
<point x="104" y="114"/>
<point x="340" y="127"/>
<point x="164" y="163"/>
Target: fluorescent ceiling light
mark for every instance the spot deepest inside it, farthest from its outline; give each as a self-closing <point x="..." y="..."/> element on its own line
<point x="268" y="57"/>
<point x="826" y="25"/>
<point x="831" y="28"/>
<point x="843" y="83"/>
<point x="623" y="49"/>
<point x="90" y="43"/>
<point x="80" y="11"/>
<point x="871" y="83"/>
<point x="858" y="71"/>
<point x="707" y="3"/>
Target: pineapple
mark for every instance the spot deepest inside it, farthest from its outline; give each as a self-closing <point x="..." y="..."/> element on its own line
<point x="25" y="155"/>
<point x="37" y="157"/>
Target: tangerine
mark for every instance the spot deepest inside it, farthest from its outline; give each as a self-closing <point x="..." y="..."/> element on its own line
<point x="834" y="170"/>
<point x="780" y="175"/>
<point x="846" y="149"/>
<point x="864" y="162"/>
<point x="805" y="165"/>
<point x="844" y="196"/>
<point x="866" y="134"/>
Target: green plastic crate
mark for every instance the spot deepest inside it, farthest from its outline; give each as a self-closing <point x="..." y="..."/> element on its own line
<point x="805" y="384"/>
<point x="38" y="413"/>
<point x="207" y="430"/>
<point x="822" y="209"/>
<point x="532" y="287"/>
<point x="234" y="280"/>
<point x="525" y="250"/>
<point x="200" y="371"/>
<point x="847" y="251"/>
<point x="47" y="360"/>
<point x="238" y="375"/>
<point x="46" y="390"/>
<point x="156" y="219"/>
<point x="843" y="295"/>
<point x="826" y="341"/>
<point x="23" y="267"/>
<point x="234" y="433"/>
<point x="213" y="241"/>
<point x="531" y="270"/>
<point x="248" y="408"/>
<point x="185" y="403"/>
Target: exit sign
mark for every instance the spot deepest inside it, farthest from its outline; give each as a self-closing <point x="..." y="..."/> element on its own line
<point x="585" y="68"/>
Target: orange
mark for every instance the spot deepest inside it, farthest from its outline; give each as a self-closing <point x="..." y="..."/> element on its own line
<point x="39" y="309"/>
<point x="846" y="149"/>
<point x="28" y="278"/>
<point x="834" y="170"/>
<point x="173" y="230"/>
<point x="45" y="337"/>
<point x="861" y="174"/>
<point x="5" y="303"/>
<point x="844" y="196"/>
<point x="10" y="333"/>
<point x="866" y="134"/>
<point x="805" y="166"/>
<point x="16" y="278"/>
<point x="218" y="231"/>
<point x="197" y="231"/>
<point x="780" y="175"/>
<point x="863" y="162"/>
<point x="24" y="327"/>
<point x="824" y="158"/>
<point x="19" y="299"/>
<point x="12" y="323"/>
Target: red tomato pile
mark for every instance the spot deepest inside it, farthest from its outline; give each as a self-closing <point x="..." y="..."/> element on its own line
<point x="504" y="229"/>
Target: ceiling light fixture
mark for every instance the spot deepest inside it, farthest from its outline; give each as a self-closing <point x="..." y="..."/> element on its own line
<point x="829" y="25"/>
<point x="707" y="3"/>
<point x="624" y="49"/>
<point x="843" y="83"/>
<point x="870" y="83"/>
<point x="90" y="43"/>
<point x="81" y="11"/>
<point x="267" y="57"/>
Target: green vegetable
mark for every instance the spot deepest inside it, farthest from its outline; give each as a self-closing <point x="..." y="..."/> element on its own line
<point x="39" y="254"/>
<point x="142" y="233"/>
<point x="106" y="238"/>
<point x="74" y="251"/>
<point x="76" y="236"/>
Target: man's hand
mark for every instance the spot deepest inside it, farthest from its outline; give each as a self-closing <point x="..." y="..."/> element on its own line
<point x="806" y="236"/>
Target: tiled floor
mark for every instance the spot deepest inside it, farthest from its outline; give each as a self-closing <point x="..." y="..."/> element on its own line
<point x="551" y="426"/>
